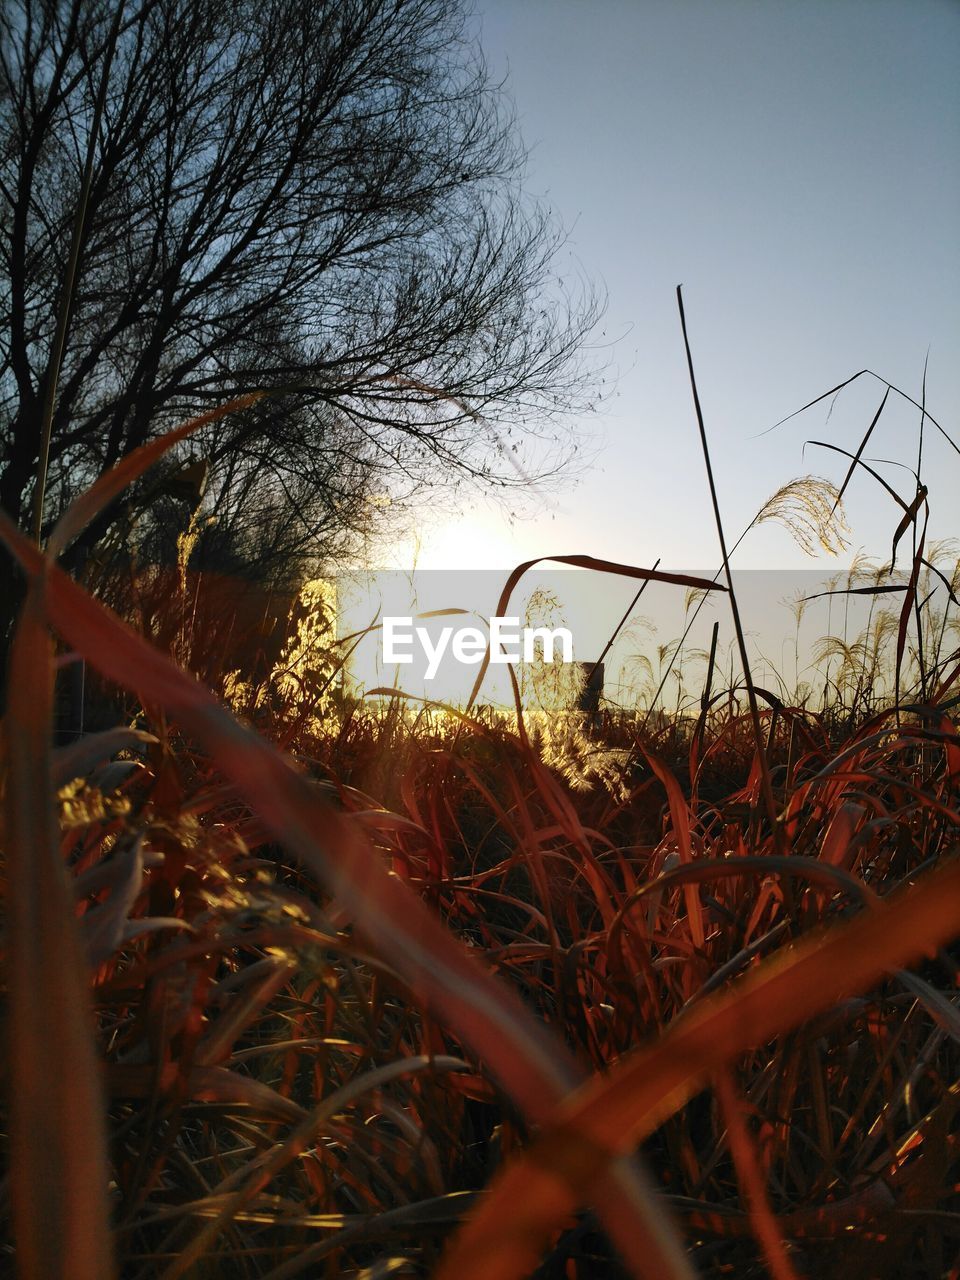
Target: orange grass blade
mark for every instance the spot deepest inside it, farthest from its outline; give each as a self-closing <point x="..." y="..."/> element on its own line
<point x="58" y="1164"/>
<point x="680" y="819"/>
<point x="752" y="1179"/>
<point x="506" y="1236"/>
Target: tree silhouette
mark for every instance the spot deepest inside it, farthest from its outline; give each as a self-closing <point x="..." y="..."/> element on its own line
<point x="318" y="198"/>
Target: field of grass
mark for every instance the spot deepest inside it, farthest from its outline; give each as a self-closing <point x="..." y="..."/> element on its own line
<point x="295" y="985"/>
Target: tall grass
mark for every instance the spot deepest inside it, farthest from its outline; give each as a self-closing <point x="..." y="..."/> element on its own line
<point x="375" y="991"/>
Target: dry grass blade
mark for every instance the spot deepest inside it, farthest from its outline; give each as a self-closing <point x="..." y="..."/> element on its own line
<point x="752" y="1178"/>
<point x="909" y="518"/>
<point x="680" y="819"/>
<point x="909" y="601"/>
<point x="889" y="589"/>
<point x="943" y="579"/>
<point x="78" y="758"/>
<point x="824" y="444"/>
<point x="57" y="1146"/>
<point x="612" y="1114"/>
<point x="766" y="786"/>
<point x="862" y="445"/>
<point x="869" y="373"/>
<point x="599" y="566"/>
<point x="819" y="399"/>
<point x="606" y="566"/>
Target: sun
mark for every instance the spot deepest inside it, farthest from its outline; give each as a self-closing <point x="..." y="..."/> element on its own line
<point x="477" y="539"/>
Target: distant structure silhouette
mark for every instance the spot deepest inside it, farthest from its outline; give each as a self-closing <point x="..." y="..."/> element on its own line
<point x="590" y="687"/>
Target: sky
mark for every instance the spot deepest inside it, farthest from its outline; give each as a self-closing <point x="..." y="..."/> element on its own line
<point x="796" y="167"/>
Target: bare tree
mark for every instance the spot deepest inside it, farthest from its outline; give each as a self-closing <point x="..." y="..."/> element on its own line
<point x="323" y="198"/>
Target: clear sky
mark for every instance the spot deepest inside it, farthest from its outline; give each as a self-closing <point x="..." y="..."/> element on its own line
<point x="795" y="164"/>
